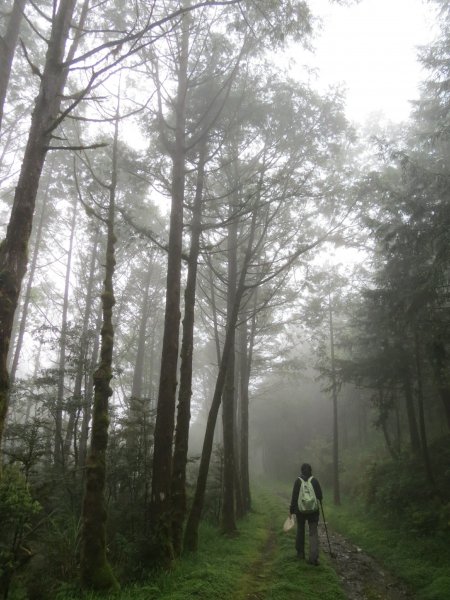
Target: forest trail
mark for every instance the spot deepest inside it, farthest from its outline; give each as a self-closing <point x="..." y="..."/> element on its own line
<point x="361" y="576"/>
<point x="259" y="575"/>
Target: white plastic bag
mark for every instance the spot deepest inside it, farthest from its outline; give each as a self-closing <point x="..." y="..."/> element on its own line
<point x="289" y="523"/>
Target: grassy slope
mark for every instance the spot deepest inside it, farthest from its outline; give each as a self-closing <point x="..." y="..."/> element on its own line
<point x="261" y="561"/>
<point x="423" y="562"/>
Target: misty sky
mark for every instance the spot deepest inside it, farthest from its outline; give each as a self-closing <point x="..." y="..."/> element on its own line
<point x="372" y="47"/>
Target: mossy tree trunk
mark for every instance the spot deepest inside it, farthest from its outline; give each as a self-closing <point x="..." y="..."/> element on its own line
<point x="96" y="573"/>
<point x="178" y="490"/>
<point x="13" y="249"/>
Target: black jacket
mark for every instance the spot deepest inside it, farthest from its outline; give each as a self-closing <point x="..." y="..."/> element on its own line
<point x="296" y="491"/>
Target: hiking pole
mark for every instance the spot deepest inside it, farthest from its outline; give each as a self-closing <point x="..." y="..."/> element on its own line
<point x="326" y="530"/>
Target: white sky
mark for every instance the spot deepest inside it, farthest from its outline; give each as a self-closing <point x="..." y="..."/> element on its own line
<point x="371" y="46"/>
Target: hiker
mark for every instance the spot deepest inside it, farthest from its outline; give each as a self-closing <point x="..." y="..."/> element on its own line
<point x="306" y="496"/>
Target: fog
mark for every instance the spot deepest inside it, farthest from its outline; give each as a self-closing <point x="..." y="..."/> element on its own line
<point x="217" y="263"/>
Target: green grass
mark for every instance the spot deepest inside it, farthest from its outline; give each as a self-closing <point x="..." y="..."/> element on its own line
<point x="260" y="561"/>
<point x="423" y="563"/>
<point x="295" y="579"/>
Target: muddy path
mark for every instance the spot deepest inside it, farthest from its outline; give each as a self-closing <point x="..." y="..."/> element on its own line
<point x="361" y="576"/>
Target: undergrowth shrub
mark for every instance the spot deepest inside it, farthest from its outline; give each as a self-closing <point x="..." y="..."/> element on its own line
<point x="18" y="510"/>
<point x="398" y="490"/>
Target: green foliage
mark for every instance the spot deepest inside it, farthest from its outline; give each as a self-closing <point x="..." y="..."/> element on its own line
<point x="213" y="493"/>
<point x="399" y="490"/>
<point x="17" y="510"/>
<point x="60" y="539"/>
<point x="403" y="521"/>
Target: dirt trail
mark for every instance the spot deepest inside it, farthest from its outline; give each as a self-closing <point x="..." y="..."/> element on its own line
<point x="362" y="577"/>
<point x="259" y="573"/>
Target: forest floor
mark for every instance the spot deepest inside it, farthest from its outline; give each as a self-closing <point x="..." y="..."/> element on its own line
<point x="261" y="564"/>
<point x="360" y="576"/>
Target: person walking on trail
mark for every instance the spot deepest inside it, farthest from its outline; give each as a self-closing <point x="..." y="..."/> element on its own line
<point x="306" y="496"/>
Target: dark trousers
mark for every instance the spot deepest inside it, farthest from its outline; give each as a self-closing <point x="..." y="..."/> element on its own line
<point x="313" y="521"/>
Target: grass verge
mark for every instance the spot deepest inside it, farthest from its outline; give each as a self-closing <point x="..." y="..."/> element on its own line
<point x="422" y="562"/>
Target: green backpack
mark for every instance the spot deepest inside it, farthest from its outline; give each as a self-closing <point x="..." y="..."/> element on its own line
<point x="307" y="501"/>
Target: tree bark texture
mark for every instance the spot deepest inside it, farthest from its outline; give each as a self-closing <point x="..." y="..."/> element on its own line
<point x="27" y="297"/>
<point x="96" y="573"/>
<point x="245" y="365"/>
<point x="191" y="532"/>
<point x="8" y="45"/>
<point x="13" y="249"/>
<point x="228" y="521"/>
<point x="160" y="506"/>
<point x="178" y="489"/>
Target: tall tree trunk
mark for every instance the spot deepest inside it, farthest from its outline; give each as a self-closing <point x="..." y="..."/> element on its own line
<point x="214" y="314"/>
<point x="160" y="505"/>
<point x="398" y="426"/>
<point x="27" y="298"/>
<point x="59" y="458"/>
<point x="89" y="393"/>
<point x="178" y="490"/>
<point x="191" y="532"/>
<point x="136" y="409"/>
<point x="439" y="360"/>
<point x="96" y="573"/>
<point x="383" y="421"/>
<point x="420" y="398"/>
<point x="138" y="373"/>
<point x="77" y="402"/>
<point x="13" y="249"/>
<point x="8" y="45"/>
<point x="411" y="413"/>
<point x="246" y="350"/>
<point x="336" y="485"/>
<point x="228" y="523"/>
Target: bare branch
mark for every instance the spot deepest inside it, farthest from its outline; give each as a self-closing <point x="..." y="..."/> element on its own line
<point x="90" y="147"/>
